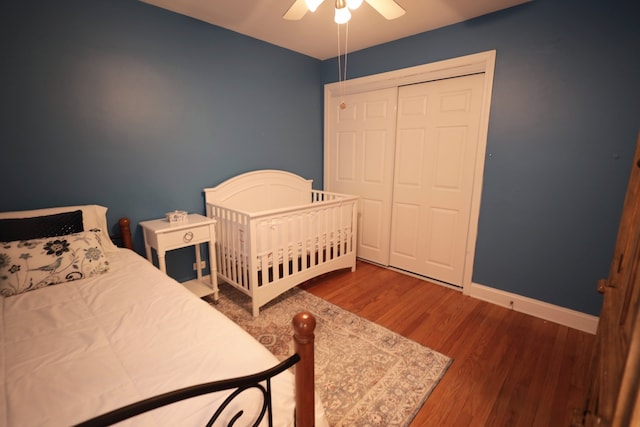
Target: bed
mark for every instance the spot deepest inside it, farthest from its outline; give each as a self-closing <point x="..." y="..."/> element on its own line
<point x="89" y="328"/>
<point x="274" y="232"/>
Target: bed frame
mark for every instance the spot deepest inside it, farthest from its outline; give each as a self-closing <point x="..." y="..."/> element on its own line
<point x="274" y="232"/>
<point x="303" y="325"/>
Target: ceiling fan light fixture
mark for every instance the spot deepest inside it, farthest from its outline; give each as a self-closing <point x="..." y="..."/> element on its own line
<point x="313" y="4"/>
<point x="354" y="4"/>
<point x="342" y="15"/>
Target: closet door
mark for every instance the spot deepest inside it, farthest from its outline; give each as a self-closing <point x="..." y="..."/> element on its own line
<point x="436" y="142"/>
<point x="360" y="154"/>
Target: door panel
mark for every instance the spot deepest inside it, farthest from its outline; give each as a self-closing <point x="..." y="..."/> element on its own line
<point x="406" y="242"/>
<point x="436" y="141"/>
<point x="362" y="150"/>
<point x="370" y="230"/>
<point x="614" y="375"/>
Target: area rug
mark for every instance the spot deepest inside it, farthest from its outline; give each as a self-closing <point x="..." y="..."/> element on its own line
<point x="366" y="375"/>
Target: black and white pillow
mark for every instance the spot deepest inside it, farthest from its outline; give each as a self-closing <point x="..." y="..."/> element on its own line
<point x="54" y="225"/>
<point x="26" y="265"/>
<point x="94" y="218"/>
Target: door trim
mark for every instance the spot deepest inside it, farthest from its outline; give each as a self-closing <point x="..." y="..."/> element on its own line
<point x="483" y="62"/>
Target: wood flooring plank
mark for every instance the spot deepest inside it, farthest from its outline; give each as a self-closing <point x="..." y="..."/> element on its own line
<point x="510" y="395"/>
<point x="461" y="390"/>
<point x="534" y="365"/>
<point x="509" y="369"/>
<point x="497" y="360"/>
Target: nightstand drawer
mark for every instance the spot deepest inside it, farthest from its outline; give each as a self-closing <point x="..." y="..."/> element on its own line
<point x="170" y="239"/>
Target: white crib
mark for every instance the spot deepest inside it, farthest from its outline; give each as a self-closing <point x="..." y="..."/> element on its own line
<point x="274" y="232"/>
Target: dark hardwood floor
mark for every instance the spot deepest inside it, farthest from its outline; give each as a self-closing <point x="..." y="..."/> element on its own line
<point x="509" y="369"/>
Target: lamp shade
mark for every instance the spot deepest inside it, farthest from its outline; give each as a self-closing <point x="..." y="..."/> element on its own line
<point x="354" y="4"/>
<point x="342" y="15"/>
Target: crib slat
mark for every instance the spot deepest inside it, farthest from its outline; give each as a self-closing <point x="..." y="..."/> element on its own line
<point x="231" y="236"/>
<point x="305" y="252"/>
<point x="314" y="245"/>
<point x="234" y="240"/>
<point x="297" y="244"/>
<point x="243" y="257"/>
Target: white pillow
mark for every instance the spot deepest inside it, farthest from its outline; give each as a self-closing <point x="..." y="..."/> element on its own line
<point x="93" y="217"/>
<point x="26" y="265"/>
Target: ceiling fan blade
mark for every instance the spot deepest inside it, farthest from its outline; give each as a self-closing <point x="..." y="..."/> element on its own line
<point x="387" y="8"/>
<point x="297" y="10"/>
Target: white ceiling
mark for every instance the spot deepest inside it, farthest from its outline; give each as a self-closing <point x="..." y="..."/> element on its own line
<point x="315" y="34"/>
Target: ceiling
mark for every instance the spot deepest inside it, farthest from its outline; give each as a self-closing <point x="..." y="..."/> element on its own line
<point x="315" y="34"/>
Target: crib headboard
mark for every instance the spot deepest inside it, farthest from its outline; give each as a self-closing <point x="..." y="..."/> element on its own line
<point x="260" y="191"/>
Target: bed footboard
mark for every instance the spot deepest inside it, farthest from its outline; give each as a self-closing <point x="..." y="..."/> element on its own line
<point x="304" y="325"/>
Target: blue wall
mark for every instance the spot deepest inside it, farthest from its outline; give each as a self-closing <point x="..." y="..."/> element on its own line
<point x="565" y="116"/>
<point x="123" y="104"/>
<point x="126" y="105"/>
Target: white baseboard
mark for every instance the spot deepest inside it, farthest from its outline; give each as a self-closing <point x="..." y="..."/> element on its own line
<point x="553" y="313"/>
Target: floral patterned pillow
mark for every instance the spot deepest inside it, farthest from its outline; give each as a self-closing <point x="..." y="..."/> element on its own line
<point x="31" y="264"/>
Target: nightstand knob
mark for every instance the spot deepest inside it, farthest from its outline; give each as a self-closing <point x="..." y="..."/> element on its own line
<point x="188" y="236"/>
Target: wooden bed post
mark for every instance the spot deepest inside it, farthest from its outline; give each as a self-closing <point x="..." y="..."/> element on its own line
<point x="125" y="233"/>
<point x="304" y="325"/>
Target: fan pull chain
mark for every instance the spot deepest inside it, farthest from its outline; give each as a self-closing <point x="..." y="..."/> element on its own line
<point x="342" y="77"/>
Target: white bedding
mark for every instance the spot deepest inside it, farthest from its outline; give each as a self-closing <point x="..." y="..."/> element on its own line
<point x="74" y="350"/>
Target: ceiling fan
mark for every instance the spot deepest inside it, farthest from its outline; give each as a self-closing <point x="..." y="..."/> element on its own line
<point x="387" y="8"/>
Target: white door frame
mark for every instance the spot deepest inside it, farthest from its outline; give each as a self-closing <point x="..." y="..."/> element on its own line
<point x="455" y="67"/>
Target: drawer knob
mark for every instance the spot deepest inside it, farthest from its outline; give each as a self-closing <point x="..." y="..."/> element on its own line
<point x="188" y="236"/>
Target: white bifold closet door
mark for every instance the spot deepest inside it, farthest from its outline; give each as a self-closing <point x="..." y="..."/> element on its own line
<point x="361" y="162"/>
<point x="410" y="152"/>
<point x="436" y="140"/>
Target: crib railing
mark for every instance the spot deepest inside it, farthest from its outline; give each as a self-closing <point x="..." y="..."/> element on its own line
<point x="256" y="249"/>
<point x="232" y="234"/>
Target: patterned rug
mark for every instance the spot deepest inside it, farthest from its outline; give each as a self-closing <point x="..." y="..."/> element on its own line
<point x="366" y="375"/>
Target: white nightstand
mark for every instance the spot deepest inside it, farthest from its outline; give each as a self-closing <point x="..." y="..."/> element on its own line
<point x="164" y="236"/>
